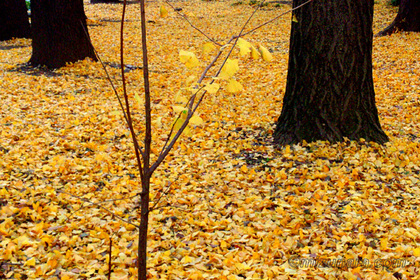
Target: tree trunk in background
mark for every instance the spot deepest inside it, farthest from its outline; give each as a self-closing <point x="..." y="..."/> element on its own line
<point x="60" y="33"/>
<point x="329" y="92"/>
<point x="14" y="21"/>
<point x="407" y="19"/>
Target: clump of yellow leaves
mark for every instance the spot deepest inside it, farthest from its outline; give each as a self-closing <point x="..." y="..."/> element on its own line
<point x="188" y="58"/>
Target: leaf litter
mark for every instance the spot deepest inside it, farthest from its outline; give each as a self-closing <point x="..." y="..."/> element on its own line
<point x="236" y="208"/>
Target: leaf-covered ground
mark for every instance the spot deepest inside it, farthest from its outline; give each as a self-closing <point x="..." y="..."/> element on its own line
<point x="236" y="207"/>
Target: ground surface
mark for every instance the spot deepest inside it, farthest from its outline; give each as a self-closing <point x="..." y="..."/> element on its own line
<point x="239" y="208"/>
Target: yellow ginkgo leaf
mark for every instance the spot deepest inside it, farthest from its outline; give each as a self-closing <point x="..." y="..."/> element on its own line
<point x="157" y="122"/>
<point x="163" y="12"/>
<point x="234" y="86"/>
<point x="180" y="99"/>
<point x="266" y="55"/>
<point x="178" y="124"/>
<point x="188" y="58"/>
<point x="212" y="88"/>
<point x="138" y="99"/>
<point x="30" y="262"/>
<point x="229" y="69"/>
<point x="244" y="47"/>
<point x="255" y="54"/>
<point x="416" y="252"/>
<point x="196" y="120"/>
<point x="294" y="18"/>
<point x="208" y="48"/>
<point x="178" y="109"/>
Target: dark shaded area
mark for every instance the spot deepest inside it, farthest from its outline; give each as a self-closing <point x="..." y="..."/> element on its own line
<point x="407" y="19"/>
<point x="329" y="91"/>
<point x="60" y="33"/>
<point x="11" y="47"/>
<point x="28" y="69"/>
<point x="14" y="20"/>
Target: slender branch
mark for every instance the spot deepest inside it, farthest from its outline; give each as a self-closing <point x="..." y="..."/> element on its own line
<point x="165" y="152"/>
<point x="110" y="258"/>
<point x="162" y="195"/>
<point x="100" y="206"/>
<point x="203" y="75"/>
<point x="190" y="101"/>
<point x="170" y="133"/>
<point x="145" y="192"/>
<point x="127" y="103"/>
<point x="273" y="19"/>
<point x="136" y="144"/>
<point x="192" y="25"/>
<point x="236" y="38"/>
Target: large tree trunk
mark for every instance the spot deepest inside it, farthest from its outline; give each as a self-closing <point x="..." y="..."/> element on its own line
<point x="329" y="92"/>
<point x="407" y="19"/>
<point x="60" y="33"/>
<point x="14" y="21"/>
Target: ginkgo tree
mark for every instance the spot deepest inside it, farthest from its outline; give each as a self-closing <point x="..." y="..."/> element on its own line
<point x="329" y="92"/>
<point x="185" y="107"/>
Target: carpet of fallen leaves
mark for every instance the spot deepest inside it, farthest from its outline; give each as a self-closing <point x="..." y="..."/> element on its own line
<point x="236" y="208"/>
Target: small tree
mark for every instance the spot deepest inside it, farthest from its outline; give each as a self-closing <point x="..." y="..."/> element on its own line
<point x="329" y="91"/>
<point x="14" y="20"/>
<point x="59" y="33"/>
<point x="142" y="153"/>
<point x="407" y="19"/>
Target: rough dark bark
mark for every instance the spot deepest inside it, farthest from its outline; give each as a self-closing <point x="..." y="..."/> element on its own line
<point x="59" y="33"/>
<point x="14" y="21"/>
<point x="407" y="19"/>
<point x="329" y="92"/>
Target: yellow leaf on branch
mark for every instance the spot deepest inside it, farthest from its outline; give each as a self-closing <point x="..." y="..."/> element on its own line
<point x="255" y="54"/>
<point x="212" y="88"/>
<point x="229" y="69"/>
<point x="188" y="58"/>
<point x="244" y="47"/>
<point x="266" y="55"/>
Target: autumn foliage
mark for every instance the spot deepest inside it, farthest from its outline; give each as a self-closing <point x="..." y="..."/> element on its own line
<point x="237" y="207"/>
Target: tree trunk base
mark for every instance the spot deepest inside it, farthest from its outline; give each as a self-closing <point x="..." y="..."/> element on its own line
<point x="329" y="91"/>
<point x="407" y="19"/>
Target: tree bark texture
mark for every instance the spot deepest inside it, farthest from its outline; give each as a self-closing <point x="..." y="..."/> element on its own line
<point x="407" y="19"/>
<point x="329" y="91"/>
<point x="60" y="33"/>
<point x="14" y="20"/>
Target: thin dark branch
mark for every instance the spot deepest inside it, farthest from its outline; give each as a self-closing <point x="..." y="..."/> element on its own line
<point x="273" y="19"/>
<point x="192" y="25"/>
<point x="127" y="103"/>
<point x="110" y="258"/>
<point x="236" y="38"/>
<point x="136" y="144"/>
<point x="165" y="152"/>
<point x="168" y="188"/>
<point x="203" y="75"/>
<point x="190" y="101"/>
<point x="170" y="133"/>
